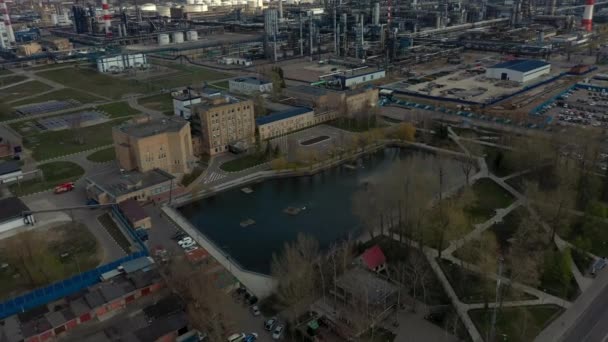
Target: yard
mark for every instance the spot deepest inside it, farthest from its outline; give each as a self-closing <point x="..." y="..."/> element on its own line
<point x="161" y="102"/>
<point x="54" y="173"/>
<point x="489" y="197"/>
<point x="22" y="90"/>
<point x="103" y="155"/>
<point x="53" y="144"/>
<point x="8" y="80"/>
<point x="40" y="257"/>
<point x="118" y="109"/>
<point x="5" y="72"/>
<point x="244" y="162"/>
<point x="472" y="287"/>
<point x="187" y="74"/>
<point x="516" y="324"/>
<point x="62" y="94"/>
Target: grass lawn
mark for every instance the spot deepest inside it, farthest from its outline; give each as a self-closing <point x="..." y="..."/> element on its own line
<point x="223" y="85"/>
<point x="189" y="178"/>
<point x="596" y="234"/>
<point x="102" y="156"/>
<point x="21" y="90"/>
<point x="517" y="323"/>
<point x="353" y="125"/>
<point x="117" y="234"/>
<point x="118" y="109"/>
<point x="54" y="173"/>
<point x="57" y="143"/>
<point x="35" y="259"/>
<point x="243" y="163"/>
<point x="187" y="74"/>
<point x="582" y="260"/>
<point x="471" y="287"/>
<point x="90" y="80"/>
<point x="62" y="94"/>
<point x="489" y="197"/>
<point x="5" y="72"/>
<point x="55" y="65"/>
<point x="161" y="102"/>
<point x="8" y="80"/>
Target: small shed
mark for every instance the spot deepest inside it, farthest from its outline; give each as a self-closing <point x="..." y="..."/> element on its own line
<point x="135" y="214"/>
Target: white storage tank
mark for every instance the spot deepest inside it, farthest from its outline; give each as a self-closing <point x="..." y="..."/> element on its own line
<point x="163" y="11"/>
<point x="191" y="35"/>
<point x="163" y="39"/>
<point x="189" y="2"/>
<point x="178" y="37"/>
<point x="149" y="7"/>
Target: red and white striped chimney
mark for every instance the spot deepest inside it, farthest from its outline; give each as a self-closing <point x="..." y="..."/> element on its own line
<point x="587" y="22"/>
<point x="7" y="21"/>
<point x="107" y="18"/>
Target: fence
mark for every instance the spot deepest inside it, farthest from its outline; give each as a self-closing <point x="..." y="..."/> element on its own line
<point x="70" y="285"/>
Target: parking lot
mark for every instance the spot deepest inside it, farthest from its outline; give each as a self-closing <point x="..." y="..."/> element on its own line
<point x="579" y="107"/>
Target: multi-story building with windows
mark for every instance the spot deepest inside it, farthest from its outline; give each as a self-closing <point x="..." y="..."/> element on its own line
<point x="221" y="122"/>
<point x="145" y="145"/>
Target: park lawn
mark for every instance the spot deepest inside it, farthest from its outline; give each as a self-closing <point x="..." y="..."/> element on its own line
<point x="187" y="75"/>
<point x="471" y="287"/>
<point x="161" y="102"/>
<point x="114" y="231"/>
<point x="511" y="326"/>
<point x="489" y="197"/>
<point x="92" y="81"/>
<point x="60" y="95"/>
<point x="118" y="109"/>
<point x="55" y="65"/>
<point x="102" y="156"/>
<point x="8" y="80"/>
<point x="34" y="257"/>
<point x="53" y="144"/>
<point x="22" y="90"/>
<point x="243" y="163"/>
<point x="596" y="234"/>
<point x="5" y="72"/>
<point x="223" y="85"/>
<point x="54" y="173"/>
<point x="495" y="159"/>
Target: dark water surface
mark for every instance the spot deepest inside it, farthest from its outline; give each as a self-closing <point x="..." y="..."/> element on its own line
<point x="326" y="197"/>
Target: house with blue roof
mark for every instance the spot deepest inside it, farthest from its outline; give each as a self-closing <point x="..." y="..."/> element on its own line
<point x="519" y="70"/>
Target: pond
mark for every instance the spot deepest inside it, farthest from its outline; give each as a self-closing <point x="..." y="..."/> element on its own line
<point x="324" y="201"/>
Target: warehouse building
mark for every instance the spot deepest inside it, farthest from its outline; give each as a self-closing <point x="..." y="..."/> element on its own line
<point x="352" y="78"/>
<point x="519" y="70"/>
<point x="249" y="85"/>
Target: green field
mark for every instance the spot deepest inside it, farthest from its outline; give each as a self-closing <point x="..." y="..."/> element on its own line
<point x="243" y="163"/>
<point x="34" y="257"/>
<point x="118" y="109"/>
<point x="53" y="65"/>
<point x="5" y="72"/>
<point x="54" y="173"/>
<point x="516" y="324"/>
<point x="116" y="87"/>
<point x="161" y="102"/>
<point x="21" y="90"/>
<point x="102" y="156"/>
<point x="62" y="94"/>
<point x="53" y="144"/>
<point x="8" y="80"/>
<point x="489" y="197"/>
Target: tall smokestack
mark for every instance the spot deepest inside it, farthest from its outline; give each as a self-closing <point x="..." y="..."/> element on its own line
<point x="7" y="21"/>
<point x="587" y="22"/>
<point x="107" y="19"/>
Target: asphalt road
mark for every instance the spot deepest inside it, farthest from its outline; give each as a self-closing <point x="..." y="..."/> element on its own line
<point x="592" y="325"/>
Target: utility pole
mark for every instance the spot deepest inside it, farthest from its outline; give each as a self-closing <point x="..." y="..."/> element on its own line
<point x="492" y="333"/>
<point x="301" y="38"/>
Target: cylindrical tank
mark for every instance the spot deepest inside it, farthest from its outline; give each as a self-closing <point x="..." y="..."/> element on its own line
<point x="163" y="39"/>
<point x="195" y="8"/>
<point x="149" y="7"/>
<point x="178" y="37"/>
<point x="54" y="19"/>
<point x="191" y="35"/>
<point x="163" y="11"/>
<point x="189" y="2"/>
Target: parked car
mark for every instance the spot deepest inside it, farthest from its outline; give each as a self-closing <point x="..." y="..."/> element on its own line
<point x="270" y="323"/>
<point x="185" y="241"/>
<point x="179" y="235"/>
<point x="278" y="332"/>
<point x="236" y="337"/>
<point x="255" y="310"/>
<point x="189" y="244"/>
<point x="598" y="265"/>
<point x="190" y="249"/>
<point x="250" y="337"/>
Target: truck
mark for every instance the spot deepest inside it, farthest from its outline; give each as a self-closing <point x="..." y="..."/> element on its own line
<point x="64" y="187"/>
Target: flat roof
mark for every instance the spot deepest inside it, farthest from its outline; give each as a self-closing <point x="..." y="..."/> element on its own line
<point x="358" y="72"/>
<point x="11" y="207"/>
<point x="9" y="166"/>
<point x="136" y="264"/>
<point x="363" y="283"/>
<point x="282" y="115"/>
<point x="309" y="90"/>
<point x="153" y="127"/>
<point x="250" y="80"/>
<point x="522" y="65"/>
<point x="118" y="183"/>
<point x="132" y="210"/>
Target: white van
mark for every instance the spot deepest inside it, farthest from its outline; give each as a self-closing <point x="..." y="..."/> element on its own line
<point x="236" y="337"/>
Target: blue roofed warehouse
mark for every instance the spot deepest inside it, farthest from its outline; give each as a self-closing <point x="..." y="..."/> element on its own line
<point x="519" y="70"/>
